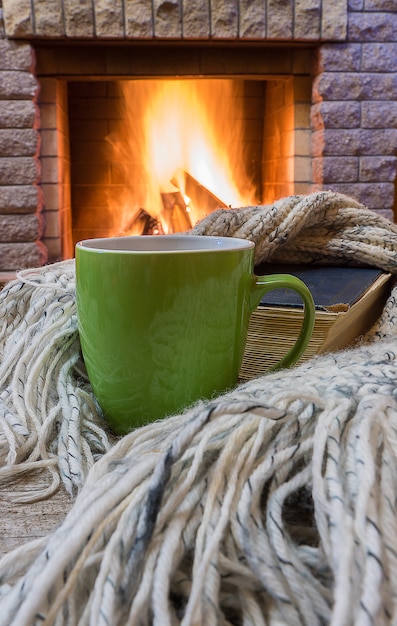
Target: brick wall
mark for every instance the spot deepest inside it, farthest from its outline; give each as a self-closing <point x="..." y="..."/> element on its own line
<point x="354" y="112"/>
<point x="177" y="19"/>
<point x="20" y="195"/>
<point x="346" y="140"/>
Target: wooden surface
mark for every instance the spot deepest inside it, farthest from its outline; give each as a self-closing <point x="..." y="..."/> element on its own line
<point x="21" y="522"/>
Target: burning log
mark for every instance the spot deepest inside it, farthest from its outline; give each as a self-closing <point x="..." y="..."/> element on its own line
<point x="175" y="212"/>
<point x="203" y="200"/>
<point x="142" y="223"/>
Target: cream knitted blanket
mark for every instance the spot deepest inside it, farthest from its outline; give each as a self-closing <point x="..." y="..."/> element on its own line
<point x="272" y="504"/>
<point x="323" y="227"/>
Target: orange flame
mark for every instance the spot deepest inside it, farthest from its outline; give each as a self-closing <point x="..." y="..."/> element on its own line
<point x="176" y="126"/>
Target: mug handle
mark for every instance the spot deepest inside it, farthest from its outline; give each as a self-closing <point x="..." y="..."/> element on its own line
<point x="264" y="284"/>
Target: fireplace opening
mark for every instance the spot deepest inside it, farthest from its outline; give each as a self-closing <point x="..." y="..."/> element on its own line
<point x="145" y="138"/>
<point x="155" y="156"/>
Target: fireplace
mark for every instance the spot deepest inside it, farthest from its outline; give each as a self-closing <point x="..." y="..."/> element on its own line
<point x="141" y="147"/>
<point x="305" y="96"/>
<point x="252" y="105"/>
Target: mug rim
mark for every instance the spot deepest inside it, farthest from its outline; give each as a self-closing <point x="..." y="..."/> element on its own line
<point x="174" y="243"/>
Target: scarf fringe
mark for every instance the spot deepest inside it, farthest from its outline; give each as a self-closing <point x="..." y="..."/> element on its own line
<point x="272" y="504"/>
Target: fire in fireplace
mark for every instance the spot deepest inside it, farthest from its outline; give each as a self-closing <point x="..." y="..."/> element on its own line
<point x="161" y="154"/>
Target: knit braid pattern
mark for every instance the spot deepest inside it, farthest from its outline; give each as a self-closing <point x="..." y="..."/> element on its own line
<point x="49" y="418"/>
<point x="324" y="227"/>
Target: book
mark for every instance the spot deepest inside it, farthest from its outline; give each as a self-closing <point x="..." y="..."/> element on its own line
<point x="348" y="301"/>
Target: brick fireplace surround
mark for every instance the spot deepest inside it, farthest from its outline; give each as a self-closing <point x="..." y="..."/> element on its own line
<point x="335" y="60"/>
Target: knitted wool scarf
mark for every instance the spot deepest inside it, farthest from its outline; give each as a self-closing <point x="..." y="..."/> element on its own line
<point x="272" y="504"/>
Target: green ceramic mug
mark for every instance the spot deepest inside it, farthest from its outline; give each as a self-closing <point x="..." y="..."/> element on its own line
<point x="163" y="320"/>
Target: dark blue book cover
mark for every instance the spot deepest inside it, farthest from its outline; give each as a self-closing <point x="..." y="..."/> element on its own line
<point x="330" y="286"/>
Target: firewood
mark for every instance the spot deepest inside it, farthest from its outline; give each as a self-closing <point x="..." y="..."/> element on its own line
<point x="203" y="200"/>
<point x="142" y="223"/>
<point x="174" y="212"/>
